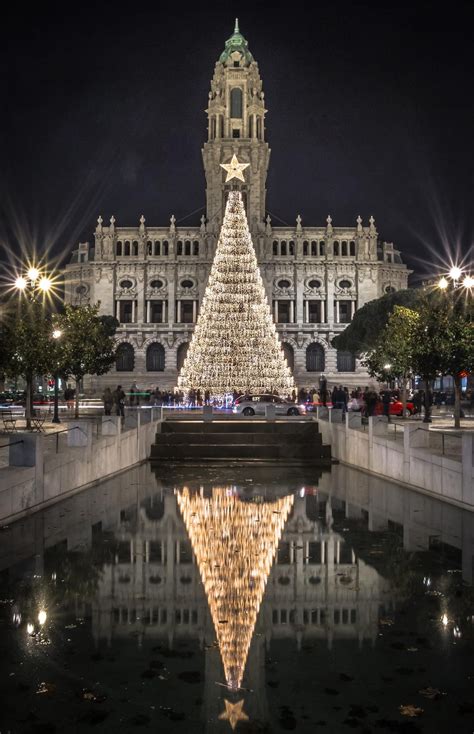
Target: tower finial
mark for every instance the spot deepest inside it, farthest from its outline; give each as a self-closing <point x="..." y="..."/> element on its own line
<point x="236" y="29"/>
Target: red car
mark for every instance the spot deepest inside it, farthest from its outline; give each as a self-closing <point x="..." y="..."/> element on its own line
<point x="396" y="407"/>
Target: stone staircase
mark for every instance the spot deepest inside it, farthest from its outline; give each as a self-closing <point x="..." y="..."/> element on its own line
<point x="285" y="441"/>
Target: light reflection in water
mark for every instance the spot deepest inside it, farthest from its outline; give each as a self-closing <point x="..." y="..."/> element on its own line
<point x="235" y="543"/>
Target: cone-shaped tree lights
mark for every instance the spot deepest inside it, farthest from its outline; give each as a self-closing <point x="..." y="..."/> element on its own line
<point x="235" y="544"/>
<point x="235" y="345"/>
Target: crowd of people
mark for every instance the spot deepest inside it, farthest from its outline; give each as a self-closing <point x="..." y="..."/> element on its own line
<point x="368" y="400"/>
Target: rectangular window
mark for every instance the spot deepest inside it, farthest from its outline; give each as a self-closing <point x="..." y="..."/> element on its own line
<point x="236" y="133"/>
<point x="156" y="312"/>
<point x="283" y="312"/>
<point x="314" y="312"/>
<point x="186" y="312"/>
<point x="344" y="312"/>
<point x="126" y="311"/>
<point x="283" y="553"/>
<point x="314" y="553"/>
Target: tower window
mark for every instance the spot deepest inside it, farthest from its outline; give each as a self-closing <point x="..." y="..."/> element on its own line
<point x="236" y="64"/>
<point x="305" y="247"/>
<point x="236" y="133"/>
<point x="236" y="102"/>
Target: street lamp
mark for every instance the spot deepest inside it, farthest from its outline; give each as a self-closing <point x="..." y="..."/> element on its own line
<point x="35" y="285"/>
<point x="56" y="335"/>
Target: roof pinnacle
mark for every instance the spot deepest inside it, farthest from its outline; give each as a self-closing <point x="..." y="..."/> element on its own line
<point x="236" y="28"/>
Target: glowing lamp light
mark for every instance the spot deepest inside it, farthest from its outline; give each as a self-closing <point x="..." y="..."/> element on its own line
<point x="443" y="283"/>
<point x="57" y="333"/>
<point x="45" y="284"/>
<point x="387" y="366"/>
<point x="444" y="620"/>
<point x="30" y="628"/>
<point x="455" y="273"/>
<point x="42" y="616"/>
<point x="468" y="281"/>
<point x="33" y="274"/>
<point x="20" y="283"/>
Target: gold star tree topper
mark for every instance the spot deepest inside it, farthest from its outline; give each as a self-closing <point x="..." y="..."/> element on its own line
<point x="234" y="169"/>
<point x="233" y="713"/>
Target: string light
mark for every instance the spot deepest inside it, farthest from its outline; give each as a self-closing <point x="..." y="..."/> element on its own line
<point x="235" y="345"/>
<point x="235" y="544"/>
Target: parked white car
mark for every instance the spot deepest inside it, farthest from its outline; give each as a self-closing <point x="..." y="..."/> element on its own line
<point x="249" y="405"/>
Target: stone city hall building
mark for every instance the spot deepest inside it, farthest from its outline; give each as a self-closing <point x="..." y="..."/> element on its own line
<point x="153" y="278"/>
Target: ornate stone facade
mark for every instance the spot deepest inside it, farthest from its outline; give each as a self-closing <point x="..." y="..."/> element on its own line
<point x="153" y="278"/>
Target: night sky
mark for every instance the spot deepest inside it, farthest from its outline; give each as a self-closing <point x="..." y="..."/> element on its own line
<point x="370" y="111"/>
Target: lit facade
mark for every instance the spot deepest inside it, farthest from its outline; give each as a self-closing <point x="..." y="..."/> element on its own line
<point x="153" y="278"/>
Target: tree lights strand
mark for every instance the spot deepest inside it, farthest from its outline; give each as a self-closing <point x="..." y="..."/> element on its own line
<point x="235" y="544"/>
<point x="235" y="345"/>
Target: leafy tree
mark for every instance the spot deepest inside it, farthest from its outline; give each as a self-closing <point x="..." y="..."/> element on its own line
<point x="87" y="343"/>
<point x="392" y="355"/>
<point x="27" y="347"/>
<point x="444" y="340"/>
<point x="363" y="332"/>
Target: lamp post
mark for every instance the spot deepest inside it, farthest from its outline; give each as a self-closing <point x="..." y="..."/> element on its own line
<point x="33" y="284"/>
<point x="56" y="335"/>
<point x="452" y="285"/>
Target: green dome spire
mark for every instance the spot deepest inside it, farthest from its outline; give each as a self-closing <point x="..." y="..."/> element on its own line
<point x="236" y="43"/>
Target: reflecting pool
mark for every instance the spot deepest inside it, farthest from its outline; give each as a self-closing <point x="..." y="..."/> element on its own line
<point x="230" y="598"/>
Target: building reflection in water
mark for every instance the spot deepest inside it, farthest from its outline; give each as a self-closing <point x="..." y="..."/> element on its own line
<point x="330" y="580"/>
<point x="318" y="587"/>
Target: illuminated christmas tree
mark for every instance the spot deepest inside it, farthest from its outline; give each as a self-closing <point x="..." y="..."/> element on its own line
<point x="235" y="345"/>
<point x="235" y="544"/>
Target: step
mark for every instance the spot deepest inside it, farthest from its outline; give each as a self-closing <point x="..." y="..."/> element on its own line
<point x="286" y="427"/>
<point x="237" y="438"/>
<point x="214" y="451"/>
<point x="210" y="452"/>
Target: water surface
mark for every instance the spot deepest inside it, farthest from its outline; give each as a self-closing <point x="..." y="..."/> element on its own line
<point x="211" y="598"/>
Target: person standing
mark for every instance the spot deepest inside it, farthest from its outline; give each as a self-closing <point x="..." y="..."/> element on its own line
<point x="119" y="401"/>
<point x="386" y="400"/>
<point x="108" y="400"/>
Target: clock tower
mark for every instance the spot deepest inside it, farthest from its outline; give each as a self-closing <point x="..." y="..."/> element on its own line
<point x="236" y="126"/>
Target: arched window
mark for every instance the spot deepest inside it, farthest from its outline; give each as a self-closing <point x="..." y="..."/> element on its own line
<point x="125" y="358"/>
<point x="126" y="248"/>
<point x="352" y="248"/>
<point x="181" y="355"/>
<point x="165" y="247"/>
<point x="291" y="247"/>
<point x="118" y="248"/>
<point x="314" y="248"/>
<point x="221" y="126"/>
<point x="236" y="102"/>
<point x="213" y="128"/>
<point x="289" y="355"/>
<point x="344" y="248"/>
<point x="179" y="250"/>
<point x="135" y="248"/>
<point x="305" y="247"/>
<point x="283" y="248"/>
<point x="259" y="128"/>
<point x="149" y="247"/>
<point x="275" y="247"/>
<point x="345" y="362"/>
<point x="195" y="247"/>
<point x="157" y="248"/>
<point x="315" y="358"/>
<point x="322" y="248"/>
<point x="187" y="247"/>
<point x="155" y="358"/>
<point x="336" y="248"/>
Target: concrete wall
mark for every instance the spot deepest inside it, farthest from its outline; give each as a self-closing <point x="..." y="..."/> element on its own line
<point x="412" y="456"/>
<point x="39" y="474"/>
